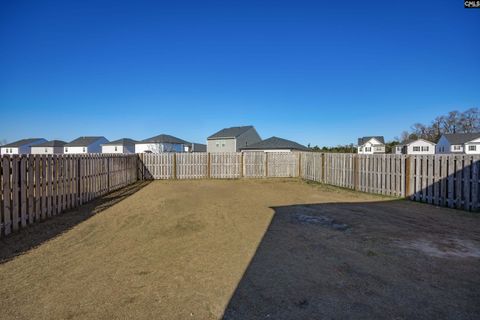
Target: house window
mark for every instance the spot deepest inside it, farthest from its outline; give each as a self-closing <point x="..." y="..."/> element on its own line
<point x="83" y="149"/>
<point x="416" y="149"/>
<point x="368" y="149"/>
<point x="472" y="148"/>
<point x="217" y="144"/>
<point x="66" y="149"/>
<point x="115" y="148"/>
<point x="378" y="148"/>
<point x="223" y="144"/>
<point x="361" y="148"/>
<point x="457" y="148"/>
<point x="46" y="150"/>
<point x="425" y="148"/>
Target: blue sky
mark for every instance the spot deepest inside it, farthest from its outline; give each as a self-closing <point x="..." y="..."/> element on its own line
<point x="318" y="72"/>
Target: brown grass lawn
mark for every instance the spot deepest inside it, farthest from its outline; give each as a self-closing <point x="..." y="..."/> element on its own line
<point x="245" y="249"/>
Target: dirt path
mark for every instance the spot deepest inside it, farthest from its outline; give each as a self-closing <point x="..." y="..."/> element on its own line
<point x="250" y="250"/>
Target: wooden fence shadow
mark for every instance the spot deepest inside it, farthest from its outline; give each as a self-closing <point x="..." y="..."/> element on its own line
<point x="36" y="234"/>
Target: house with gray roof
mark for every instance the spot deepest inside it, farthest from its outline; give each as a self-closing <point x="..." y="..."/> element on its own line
<point x="232" y="139"/>
<point x="161" y="143"/>
<point x="83" y="145"/>
<point x="371" y="145"/>
<point x="415" y="146"/>
<point x="21" y="146"/>
<point x="275" y="144"/>
<point x="459" y="143"/>
<point x="49" y="147"/>
<point x="124" y="145"/>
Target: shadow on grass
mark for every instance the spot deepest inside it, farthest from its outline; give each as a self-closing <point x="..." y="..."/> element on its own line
<point x="37" y="234"/>
<point x="363" y="260"/>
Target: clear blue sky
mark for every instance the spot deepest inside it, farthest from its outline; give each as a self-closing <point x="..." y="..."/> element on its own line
<point x="319" y="72"/>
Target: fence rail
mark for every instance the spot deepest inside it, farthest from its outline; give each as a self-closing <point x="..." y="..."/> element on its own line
<point x="36" y="187"/>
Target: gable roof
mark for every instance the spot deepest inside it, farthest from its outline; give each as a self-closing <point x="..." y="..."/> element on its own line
<point x="52" y="143"/>
<point x="23" y="142"/>
<point x="84" y="141"/>
<point x="120" y="142"/>
<point x="410" y="141"/>
<point x="364" y="140"/>
<point x="231" y="132"/>
<point x="461" y="138"/>
<point x="275" y="143"/>
<point x="163" y="138"/>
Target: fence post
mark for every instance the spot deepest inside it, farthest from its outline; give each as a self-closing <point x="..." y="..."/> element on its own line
<point x="208" y="165"/>
<point x="108" y="174"/>
<point x="242" y="172"/>
<point x="266" y="164"/>
<point x="299" y="164"/>
<point x="407" y="177"/>
<point x="323" y="167"/>
<point x="356" y="172"/>
<point x="174" y="165"/>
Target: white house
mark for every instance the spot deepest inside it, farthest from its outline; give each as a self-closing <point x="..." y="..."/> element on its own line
<point x="460" y="143"/>
<point x="419" y="146"/>
<point x="371" y="145"/>
<point x="21" y="146"/>
<point x="83" y="145"/>
<point x="232" y="139"/>
<point x="49" y="147"/>
<point x="124" y="145"/>
<point x="161" y="143"/>
<point x="275" y="144"/>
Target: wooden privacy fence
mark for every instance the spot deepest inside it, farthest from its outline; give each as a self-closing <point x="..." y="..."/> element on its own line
<point x="35" y="187"/>
<point x="450" y="180"/>
<point x="445" y="180"/>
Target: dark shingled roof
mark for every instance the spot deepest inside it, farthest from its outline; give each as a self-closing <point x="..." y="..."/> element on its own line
<point x="164" y="138"/>
<point x="364" y="140"/>
<point x="461" y="138"/>
<point x="83" y="141"/>
<point x="120" y="142"/>
<point x="232" y="132"/>
<point x="275" y="143"/>
<point x="52" y="143"/>
<point x="23" y="142"/>
<point x="199" y="147"/>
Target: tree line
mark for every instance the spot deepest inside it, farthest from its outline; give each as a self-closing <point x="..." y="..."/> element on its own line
<point x="467" y="121"/>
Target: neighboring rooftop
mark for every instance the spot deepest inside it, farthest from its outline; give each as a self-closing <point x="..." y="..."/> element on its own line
<point x="231" y="132"/>
<point x="409" y="141"/>
<point x="275" y="143"/>
<point x="52" y="143"/>
<point x="83" y="141"/>
<point x="121" y="142"/>
<point x="461" y="138"/>
<point x="164" y="138"/>
<point x="199" y="147"/>
<point x="22" y="142"/>
<point x="363" y="140"/>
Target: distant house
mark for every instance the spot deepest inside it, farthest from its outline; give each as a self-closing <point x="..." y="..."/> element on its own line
<point x="275" y="144"/>
<point x="371" y="145"/>
<point x="49" y="147"/>
<point x="21" y="146"/>
<point x="124" y="145"/>
<point x="232" y="139"/>
<point x="161" y="143"/>
<point x="468" y="143"/>
<point x="195" y="147"/>
<point x="85" y="145"/>
<point x="418" y="146"/>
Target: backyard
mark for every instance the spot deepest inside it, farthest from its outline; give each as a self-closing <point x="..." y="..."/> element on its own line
<point x="244" y="249"/>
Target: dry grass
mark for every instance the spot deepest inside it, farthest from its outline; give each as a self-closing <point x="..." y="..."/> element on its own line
<point x="182" y="250"/>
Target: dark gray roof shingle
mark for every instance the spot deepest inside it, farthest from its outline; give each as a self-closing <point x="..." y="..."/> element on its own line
<point x="84" y="141"/>
<point x="164" y="138"/>
<point x="275" y="143"/>
<point x="52" y="143"/>
<point x="199" y="147"/>
<point x="23" y="142"/>
<point x="461" y="138"/>
<point x="232" y="132"/>
<point x="364" y="140"/>
<point x="121" y="142"/>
